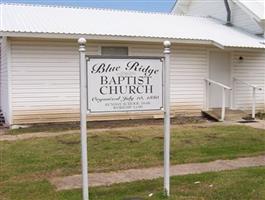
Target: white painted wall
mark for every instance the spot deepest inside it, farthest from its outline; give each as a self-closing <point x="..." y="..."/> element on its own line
<point x="188" y="69"/>
<point x="251" y="69"/>
<point x="241" y="19"/>
<point x="219" y="71"/>
<point x="4" y="79"/>
<point x="45" y="80"/>
<point x="46" y="86"/>
<point x="0" y="70"/>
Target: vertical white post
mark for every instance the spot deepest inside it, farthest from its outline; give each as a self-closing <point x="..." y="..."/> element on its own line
<point x="206" y="95"/>
<point x="254" y="103"/>
<point x="232" y="93"/>
<point x="83" y="111"/>
<point x="167" y="45"/>
<point x="223" y="105"/>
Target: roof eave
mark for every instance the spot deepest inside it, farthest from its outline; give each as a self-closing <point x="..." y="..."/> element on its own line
<point x="119" y="38"/>
<point x="108" y="37"/>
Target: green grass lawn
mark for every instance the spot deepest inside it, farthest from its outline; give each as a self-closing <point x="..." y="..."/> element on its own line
<point x="25" y="165"/>
<point x="243" y="184"/>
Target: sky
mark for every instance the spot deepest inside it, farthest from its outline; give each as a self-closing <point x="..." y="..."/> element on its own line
<point x="142" y="5"/>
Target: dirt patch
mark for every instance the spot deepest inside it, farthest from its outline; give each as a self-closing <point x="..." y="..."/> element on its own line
<point x="260" y="115"/>
<point x="34" y="135"/>
<point x="72" y="142"/>
<point x="93" y="133"/>
<point x="57" y="127"/>
<point x="3" y="130"/>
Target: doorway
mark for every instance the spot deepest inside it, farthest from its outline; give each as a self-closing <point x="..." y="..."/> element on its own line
<point x="220" y="71"/>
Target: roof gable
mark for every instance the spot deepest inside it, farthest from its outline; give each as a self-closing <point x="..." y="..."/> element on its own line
<point x="254" y="7"/>
<point x="181" y="6"/>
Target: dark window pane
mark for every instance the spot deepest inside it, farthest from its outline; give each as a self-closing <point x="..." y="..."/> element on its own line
<point x="114" y="51"/>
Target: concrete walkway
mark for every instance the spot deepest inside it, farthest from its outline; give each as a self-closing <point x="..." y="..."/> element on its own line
<point x="259" y="124"/>
<point x="2" y="131"/>
<point x="105" y="179"/>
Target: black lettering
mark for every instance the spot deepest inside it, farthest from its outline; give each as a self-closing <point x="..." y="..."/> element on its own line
<point x="98" y="68"/>
<point x="132" y="89"/>
<point x="101" y="90"/>
<point x="132" y="65"/>
<point x="148" y="89"/>
<point x="104" y="80"/>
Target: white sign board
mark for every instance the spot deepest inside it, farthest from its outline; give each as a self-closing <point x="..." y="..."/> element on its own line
<point x="124" y="84"/>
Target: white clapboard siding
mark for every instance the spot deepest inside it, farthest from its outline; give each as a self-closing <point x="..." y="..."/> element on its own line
<point x="0" y="72"/>
<point x="188" y="69"/>
<point x="241" y="19"/>
<point x="45" y="85"/>
<point x="251" y="69"/>
<point x="5" y="107"/>
<point x="45" y="80"/>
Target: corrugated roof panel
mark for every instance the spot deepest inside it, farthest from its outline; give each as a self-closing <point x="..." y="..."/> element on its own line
<point x="66" y="20"/>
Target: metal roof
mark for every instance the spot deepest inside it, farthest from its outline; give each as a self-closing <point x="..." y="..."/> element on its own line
<point x="18" y="18"/>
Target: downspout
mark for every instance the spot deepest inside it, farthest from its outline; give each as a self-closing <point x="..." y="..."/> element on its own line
<point x="228" y="10"/>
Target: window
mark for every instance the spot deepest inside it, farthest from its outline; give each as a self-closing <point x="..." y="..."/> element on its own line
<point x="114" y="51"/>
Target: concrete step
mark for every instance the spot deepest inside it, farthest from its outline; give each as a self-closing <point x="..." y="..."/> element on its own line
<point x="230" y="115"/>
<point x="211" y="115"/>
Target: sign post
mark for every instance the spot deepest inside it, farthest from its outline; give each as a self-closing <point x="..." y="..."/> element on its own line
<point x="166" y="84"/>
<point x="83" y="114"/>
<point x="124" y="84"/>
